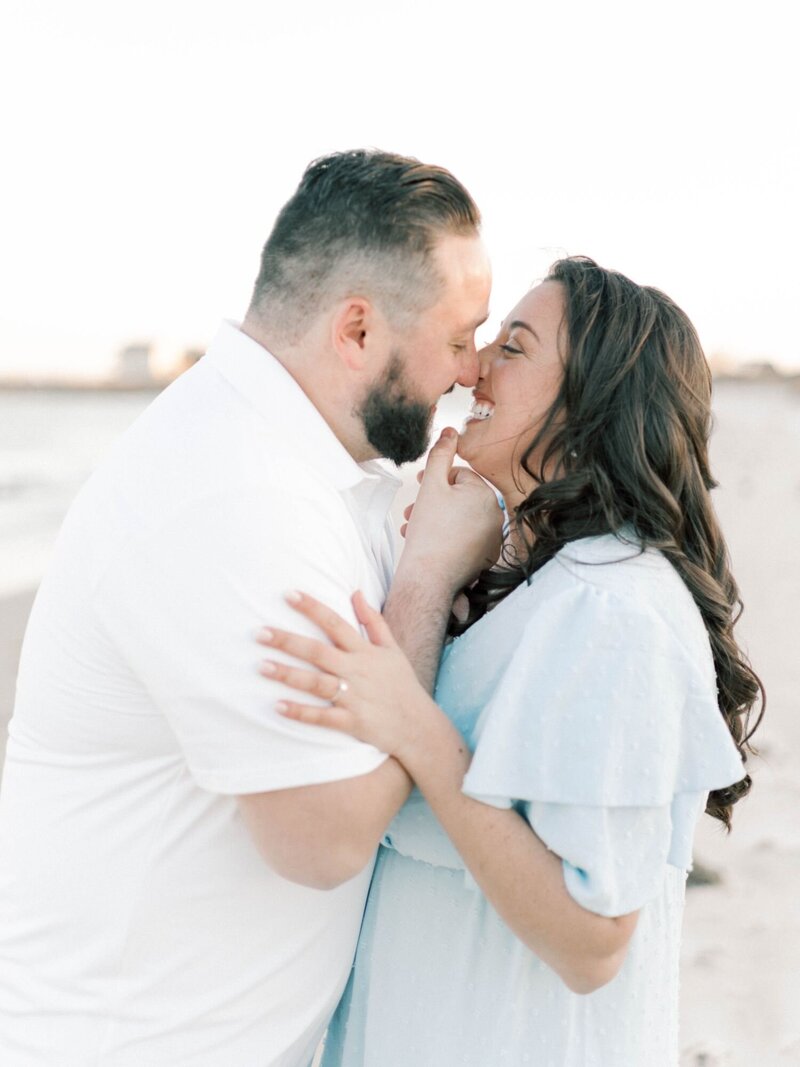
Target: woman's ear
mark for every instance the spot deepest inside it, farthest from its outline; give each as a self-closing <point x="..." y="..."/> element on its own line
<point x="352" y="327"/>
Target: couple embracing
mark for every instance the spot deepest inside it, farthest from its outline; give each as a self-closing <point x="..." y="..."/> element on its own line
<point x="238" y="710"/>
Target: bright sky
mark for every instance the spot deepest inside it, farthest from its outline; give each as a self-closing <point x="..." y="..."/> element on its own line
<point x="148" y="146"/>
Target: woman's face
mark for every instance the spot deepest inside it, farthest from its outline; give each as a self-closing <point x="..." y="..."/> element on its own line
<point x="520" y="375"/>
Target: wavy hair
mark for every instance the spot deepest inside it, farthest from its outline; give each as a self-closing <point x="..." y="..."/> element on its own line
<point x="625" y="443"/>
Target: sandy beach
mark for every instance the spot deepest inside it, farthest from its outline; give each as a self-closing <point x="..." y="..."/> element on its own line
<point x="741" y="973"/>
<point x="741" y="952"/>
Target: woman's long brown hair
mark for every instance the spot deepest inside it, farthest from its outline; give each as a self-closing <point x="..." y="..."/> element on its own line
<point x="627" y="437"/>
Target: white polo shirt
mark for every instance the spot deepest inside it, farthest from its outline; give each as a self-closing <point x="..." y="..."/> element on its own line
<point x="138" y="924"/>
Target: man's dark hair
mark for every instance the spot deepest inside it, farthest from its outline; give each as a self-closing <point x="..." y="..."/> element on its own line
<point x="360" y="223"/>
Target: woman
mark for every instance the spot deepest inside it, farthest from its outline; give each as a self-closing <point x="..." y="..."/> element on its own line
<point x="593" y="694"/>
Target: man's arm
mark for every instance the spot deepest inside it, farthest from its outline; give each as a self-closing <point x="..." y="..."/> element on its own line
<point x="323" y="835"/>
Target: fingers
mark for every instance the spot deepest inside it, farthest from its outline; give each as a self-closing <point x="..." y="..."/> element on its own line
<point x="341" y="633"/>
<point x="317" y="653"/>
<point x="335" y="718"/>
<point x="373" y="622"/>
<point x="459" y="475"/>
<point x="324" y="686"/>
<point x="407" y="511"/>
<point x="441" y="456"/>
<point x="461" y="608"/>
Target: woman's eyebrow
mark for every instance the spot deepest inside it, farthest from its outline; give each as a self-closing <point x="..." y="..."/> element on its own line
<point x="525" y="326"/>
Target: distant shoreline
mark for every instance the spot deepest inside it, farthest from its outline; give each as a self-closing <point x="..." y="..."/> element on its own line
<point x="766" y="374"/>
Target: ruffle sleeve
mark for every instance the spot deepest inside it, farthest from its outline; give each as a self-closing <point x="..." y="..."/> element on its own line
<point x="614" y="859"/>
<point x="604" y="730"/>
<point x="600" y="704"/>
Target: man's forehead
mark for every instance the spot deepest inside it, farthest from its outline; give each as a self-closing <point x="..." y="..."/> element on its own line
<point x="462" y="255"/>
<point x="463" y="305"/>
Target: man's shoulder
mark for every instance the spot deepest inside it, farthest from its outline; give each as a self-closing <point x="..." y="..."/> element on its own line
<point x="199" y="438"/>
<point x="208" y="480"/>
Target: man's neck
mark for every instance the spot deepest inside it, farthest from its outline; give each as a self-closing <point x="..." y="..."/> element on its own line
<point x="321" y="378"/>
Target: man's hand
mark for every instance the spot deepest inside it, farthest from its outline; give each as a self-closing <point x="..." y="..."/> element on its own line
<point x="455" y="527"/>
<point x="455" y="532"/>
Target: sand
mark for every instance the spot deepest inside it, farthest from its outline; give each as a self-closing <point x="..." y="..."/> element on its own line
<point x="741" y="950"/>
<point x="741" y="972"/>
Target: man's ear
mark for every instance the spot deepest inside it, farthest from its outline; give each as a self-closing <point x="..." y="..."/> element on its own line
<point x="352" y="328"/>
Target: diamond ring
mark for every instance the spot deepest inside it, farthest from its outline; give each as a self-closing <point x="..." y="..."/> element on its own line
<point x="341" y="689"/>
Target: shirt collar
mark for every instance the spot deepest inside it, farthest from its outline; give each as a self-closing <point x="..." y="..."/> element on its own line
<point x="268" y="387"/>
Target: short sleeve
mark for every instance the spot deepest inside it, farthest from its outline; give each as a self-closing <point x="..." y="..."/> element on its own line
<point x="605" y="733"/>
<point x="600" y="705"/>
<point x="613" y="859"/>
<point x="183" y="605"/>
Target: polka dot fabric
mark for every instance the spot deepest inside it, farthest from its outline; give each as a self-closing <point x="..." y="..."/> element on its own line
<point x="589" y="700"/>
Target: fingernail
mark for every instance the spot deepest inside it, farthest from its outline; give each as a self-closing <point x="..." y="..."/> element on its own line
<point x="281" y="707"/>
<point x="448" y="431"/>
<point x="267" y="667"/>
<point x="265" y="634"/>
<point x="293" y="596"/>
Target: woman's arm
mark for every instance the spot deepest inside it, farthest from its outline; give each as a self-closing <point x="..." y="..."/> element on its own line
<point x="385" y="704"/>
<point x="519" y="875"/>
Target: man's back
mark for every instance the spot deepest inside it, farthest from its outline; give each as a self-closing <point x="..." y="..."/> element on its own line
<point x="138" y="923"/>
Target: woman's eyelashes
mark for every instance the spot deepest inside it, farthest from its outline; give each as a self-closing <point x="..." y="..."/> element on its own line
<point x="510" y="350"/>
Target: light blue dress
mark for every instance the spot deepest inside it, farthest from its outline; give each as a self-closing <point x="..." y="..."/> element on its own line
<point x="589" y="700"/>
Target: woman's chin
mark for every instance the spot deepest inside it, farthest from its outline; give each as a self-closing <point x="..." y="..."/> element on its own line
<point x="466" y="450"/>
<point x="467" y="447"/>
<point x="462" y="448"/>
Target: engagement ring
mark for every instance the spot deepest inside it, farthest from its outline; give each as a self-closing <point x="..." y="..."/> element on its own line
<point x="341" y="689"/>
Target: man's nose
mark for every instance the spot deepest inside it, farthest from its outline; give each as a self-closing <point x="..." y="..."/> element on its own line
<point x="470" y="370"/>
<point x="485" y="357"/>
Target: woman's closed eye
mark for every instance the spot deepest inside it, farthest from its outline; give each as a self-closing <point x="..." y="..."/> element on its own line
<point x="510" y="350"/>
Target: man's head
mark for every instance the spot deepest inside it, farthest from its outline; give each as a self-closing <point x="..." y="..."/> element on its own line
<point x="377" y="259"/>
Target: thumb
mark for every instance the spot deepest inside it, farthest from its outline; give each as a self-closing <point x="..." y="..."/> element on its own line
<point x="441" y="456"/>
<point x="376" y="627"/>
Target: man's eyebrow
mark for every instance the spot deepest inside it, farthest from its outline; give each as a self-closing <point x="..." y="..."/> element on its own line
<point x="525" y="326"/>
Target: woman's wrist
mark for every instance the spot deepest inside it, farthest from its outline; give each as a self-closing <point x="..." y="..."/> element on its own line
<point x="435" y="753"/>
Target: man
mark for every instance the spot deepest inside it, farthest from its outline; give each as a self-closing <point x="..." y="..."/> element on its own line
<point x="183" y="870"/>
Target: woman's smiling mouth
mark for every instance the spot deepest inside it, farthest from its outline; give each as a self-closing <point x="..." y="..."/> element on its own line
<point x="480" y="409"/>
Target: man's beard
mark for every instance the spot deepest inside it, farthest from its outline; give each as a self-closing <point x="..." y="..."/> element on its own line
<point x="397" y="426"/>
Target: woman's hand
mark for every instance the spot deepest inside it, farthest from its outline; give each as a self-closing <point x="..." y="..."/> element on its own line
<point x="373" y="691"/>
